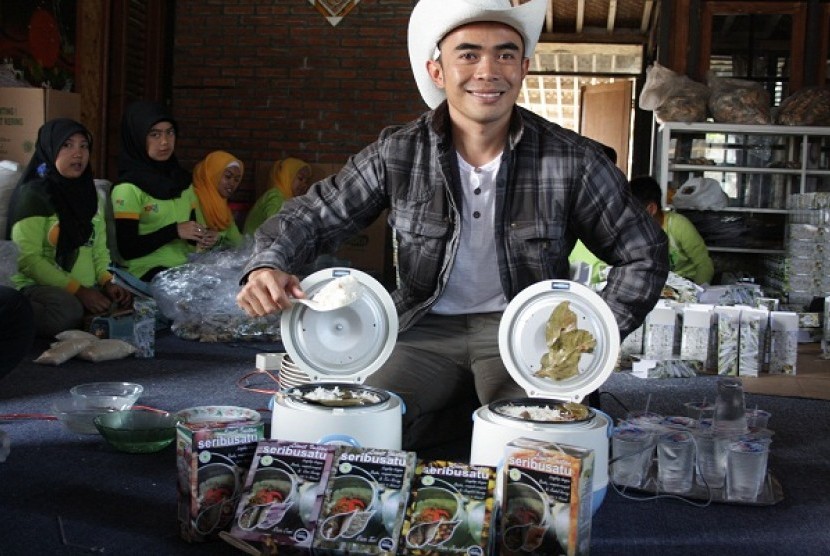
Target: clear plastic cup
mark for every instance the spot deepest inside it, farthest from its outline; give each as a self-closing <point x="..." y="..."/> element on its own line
<point x="679" y="423"/>
<point x="746" y="469"/>
<point x="676" y="461"/>
<point x="757" y="419"/>
<point x="700" y="410"/>
<point x="730" y="411"/>
<point x="710" y="457"/>
<point x="632" y="449"/>
<point x="647" y="420"/>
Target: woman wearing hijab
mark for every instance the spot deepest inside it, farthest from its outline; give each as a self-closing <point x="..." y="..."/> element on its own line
<point x="215" y="179"/>
<point x="289" y="178"/>
<point x="58" y="225"/>
<point x="154" y="204"/>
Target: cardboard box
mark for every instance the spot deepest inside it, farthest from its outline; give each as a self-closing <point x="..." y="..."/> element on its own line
<point x="659" y="332"/>
<point x="752" y="344"/>
<point x="547" y="499"/>
<point x="365" y="502"/>
<point x="450" y="510"/>
<point x="783" y="342"/>
<point x="281" y="500"/>
<point x="213" y="459"/>
<point x="23" y="110"/>
<point x="698" y="338"/>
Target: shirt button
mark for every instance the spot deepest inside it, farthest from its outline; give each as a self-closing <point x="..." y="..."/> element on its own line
<point x="477" y="170"/>
<point x="476" y="214"/>
<point x="477" y="191"/>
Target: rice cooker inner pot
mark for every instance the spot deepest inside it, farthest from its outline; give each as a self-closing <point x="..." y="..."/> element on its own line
<point x="507" y="409"/>
<point x="351" y="396"/>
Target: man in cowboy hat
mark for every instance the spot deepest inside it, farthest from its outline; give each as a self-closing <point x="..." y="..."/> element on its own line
<point x="485" y="199"/>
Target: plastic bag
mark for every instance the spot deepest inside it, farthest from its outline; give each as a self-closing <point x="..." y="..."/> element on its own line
<point x="673" y="97"/>
<point x="810" y="106"/>
<point x="700" y="194"/>
<point x="106" y="350"/>
<point x="63" y="351"/>
<point x="200" y="298"/>
<point x="735" y="101"/>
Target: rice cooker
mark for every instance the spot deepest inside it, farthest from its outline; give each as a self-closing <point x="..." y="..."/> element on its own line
<point x="338" y="349"/>
<point x="521" y="345"/>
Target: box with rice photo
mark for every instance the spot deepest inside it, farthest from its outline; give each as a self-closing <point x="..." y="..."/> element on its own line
<point x="212" y="460"/>
<point x="365" y="500"/>
<point x="546" y="499"/>
<point x="281" y="499"/>
<point x="450" y="510"/>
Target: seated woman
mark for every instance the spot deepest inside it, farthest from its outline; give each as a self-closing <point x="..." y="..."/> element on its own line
<point x="215" y="179"/>
<point x="688" y="255"/>
<point x="288" y="178"/>
<point x="58" y="225"/>
<point x="153" y="203"/>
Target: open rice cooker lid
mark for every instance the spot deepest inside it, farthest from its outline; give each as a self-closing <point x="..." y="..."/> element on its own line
<point x="346" y="344"/>
<point x="582" y="318"/>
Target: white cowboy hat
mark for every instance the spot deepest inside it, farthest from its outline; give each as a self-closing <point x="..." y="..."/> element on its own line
<point x="431" y="20"/>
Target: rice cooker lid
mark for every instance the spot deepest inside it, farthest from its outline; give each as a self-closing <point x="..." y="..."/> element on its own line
<point x="522" y="339"/>
<point x="347" y="344"/>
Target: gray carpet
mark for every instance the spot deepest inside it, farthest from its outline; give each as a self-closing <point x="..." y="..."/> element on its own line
<point x="119" y="503"/>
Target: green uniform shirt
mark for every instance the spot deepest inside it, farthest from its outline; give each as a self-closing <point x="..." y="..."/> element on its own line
<point x="227" y="238"/>
<point x="266" y="206"/>
<point x="688" y="255"/>
<point x="129" y="201"/>
<point x="36" y="238"/>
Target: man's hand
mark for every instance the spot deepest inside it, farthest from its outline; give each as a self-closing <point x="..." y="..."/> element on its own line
<point x="268" y="291"/>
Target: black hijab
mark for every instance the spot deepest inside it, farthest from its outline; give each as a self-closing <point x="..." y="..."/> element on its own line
<point x="161" y="180"/>
<point x="43" y="191"/>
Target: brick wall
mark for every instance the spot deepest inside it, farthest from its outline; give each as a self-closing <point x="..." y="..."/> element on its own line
<point x="266" y="79"/>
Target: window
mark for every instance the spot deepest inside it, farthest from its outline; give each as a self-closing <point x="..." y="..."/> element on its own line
<point x="558" y="71"/>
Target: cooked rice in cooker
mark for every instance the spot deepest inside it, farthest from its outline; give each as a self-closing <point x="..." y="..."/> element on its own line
<point x="556" y="413"/>
<point x="332" y="394"/>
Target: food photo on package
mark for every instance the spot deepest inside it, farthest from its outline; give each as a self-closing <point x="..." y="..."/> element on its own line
<point x="450" y="510"/>
<point x="365" y="501"/>
<point x="283" y="491"/>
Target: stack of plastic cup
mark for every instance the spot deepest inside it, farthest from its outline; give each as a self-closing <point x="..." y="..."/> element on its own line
<point x="676" y="461"/>
<point x="632" y="450"/>
<point x="746" y="469"/>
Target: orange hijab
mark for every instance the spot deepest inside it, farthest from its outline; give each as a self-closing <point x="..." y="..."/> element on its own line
<point x="283" y="173"/>
<point x="206" y="177"/>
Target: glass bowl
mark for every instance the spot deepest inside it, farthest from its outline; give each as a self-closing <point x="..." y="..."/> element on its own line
<point x="137" y="431"/>
<point x="76" y="417"/>
<point x="106" y="395"/>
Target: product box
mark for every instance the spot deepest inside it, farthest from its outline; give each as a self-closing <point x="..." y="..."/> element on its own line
<point x="23" y="110"/>
<point x="783" y="350"/>
<point x="752" y="343"/>
<point x="364" y="504"/>
<point x="633" y="343"/>
<point x="450" y="510"/>
<point x="212" y="459"/>
<point x="144" y="326"/>
<point x="697" y="335"/>
<point x="114" y="327"/>
<point x="659" y="332"/>
<point x="547" y="496"/>
<point x="728" y="326"/>
<point x="282" y="495"/>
